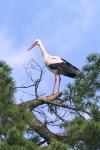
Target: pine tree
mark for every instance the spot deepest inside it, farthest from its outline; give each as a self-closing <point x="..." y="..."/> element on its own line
<point x="84" y="94"/>
<point x="77" y="112"/>
<point x="13" y="119"/>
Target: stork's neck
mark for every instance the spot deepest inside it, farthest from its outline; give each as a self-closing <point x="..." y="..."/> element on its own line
<point x="43" y="51"/>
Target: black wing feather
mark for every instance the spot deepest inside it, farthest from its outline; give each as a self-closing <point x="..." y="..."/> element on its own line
<point x="64" y="68"/>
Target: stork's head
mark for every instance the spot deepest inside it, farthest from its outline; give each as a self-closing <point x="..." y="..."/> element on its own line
<point x="36" y="42"/>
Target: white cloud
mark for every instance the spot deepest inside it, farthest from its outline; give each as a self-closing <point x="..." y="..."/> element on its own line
<point x="70" y="28"/>
<point x="71" y="34"/>
<point x="15" y="57"/>
<point x="64" y="35"/>
<point x="8" y="51"/>
<point x="18" y="58"/>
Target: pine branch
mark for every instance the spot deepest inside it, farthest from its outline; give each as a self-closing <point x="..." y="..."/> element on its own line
<point x="32" y="104"/>
<point x="44" y="132"/>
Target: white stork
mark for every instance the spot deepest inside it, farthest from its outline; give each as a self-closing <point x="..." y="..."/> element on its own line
<point x="57" y="65"/>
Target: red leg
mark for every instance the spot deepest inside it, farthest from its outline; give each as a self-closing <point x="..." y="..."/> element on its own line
<point x="54" y="85"/>
<point x="59" y="83"/>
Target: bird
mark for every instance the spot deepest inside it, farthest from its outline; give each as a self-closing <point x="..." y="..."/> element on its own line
<point x="55" y="64"/>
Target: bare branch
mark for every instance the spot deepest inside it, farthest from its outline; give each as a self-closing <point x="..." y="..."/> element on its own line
<point x="28" y="86"/>
<point x="57" y="114"/>
<point x="32" y="69"/>
<point x="68" y="107"/>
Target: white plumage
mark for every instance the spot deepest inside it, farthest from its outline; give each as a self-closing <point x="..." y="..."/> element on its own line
<point x="57" y="65"/>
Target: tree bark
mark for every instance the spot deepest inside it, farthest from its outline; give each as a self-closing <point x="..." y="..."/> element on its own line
<point x="45" y="133"/>
<point x="34" y="103"/>
<point x="36" y="124"/>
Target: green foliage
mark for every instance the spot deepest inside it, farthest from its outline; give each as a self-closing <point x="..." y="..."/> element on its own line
<point x="84" y="96"/>
<point x="82" y="99"/>
<point x="7" y="85"/>
<point x="26" y="145"/>
<point x="55" y="145"/>
<point x="35" y="139"/>
<point x="84" y="93"/>
<point x="14" y="120"/>
<point x="7" y="89"/>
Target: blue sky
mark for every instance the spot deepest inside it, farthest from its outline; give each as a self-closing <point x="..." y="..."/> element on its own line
<point x="68" y="28"/>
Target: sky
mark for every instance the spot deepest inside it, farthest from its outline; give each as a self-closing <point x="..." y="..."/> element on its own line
<point x="68" y="28"/>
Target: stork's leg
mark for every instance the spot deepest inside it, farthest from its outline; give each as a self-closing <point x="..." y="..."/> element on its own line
<point x="59" y="83"/>
<point x="54" y="85"/>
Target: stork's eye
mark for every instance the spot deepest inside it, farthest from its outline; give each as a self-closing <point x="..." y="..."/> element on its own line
<point x="37" y="42"/>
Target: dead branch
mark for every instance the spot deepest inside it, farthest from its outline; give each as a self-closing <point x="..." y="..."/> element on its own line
<point x="32" y="69"/>
<point x="35" y="124"/>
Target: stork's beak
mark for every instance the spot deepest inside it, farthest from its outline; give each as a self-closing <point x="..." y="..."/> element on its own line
<point x="34" y="44"/>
